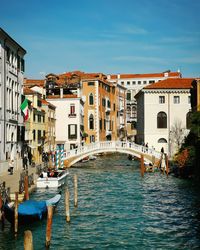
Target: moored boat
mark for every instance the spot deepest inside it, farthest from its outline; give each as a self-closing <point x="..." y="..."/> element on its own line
<point x="30" y="210"/>
<point x="52" y="179"/>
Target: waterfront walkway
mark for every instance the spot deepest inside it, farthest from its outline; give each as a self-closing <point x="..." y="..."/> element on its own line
<point x="12" y="181"/>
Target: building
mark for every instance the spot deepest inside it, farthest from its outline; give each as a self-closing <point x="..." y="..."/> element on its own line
<point x="50" y="126"/>
<point x="104" y="113"/>
<point x="69" y="110"/>
<point x="11" y="82"/>
<point x="163" y="113"/>
<point x="134" y="83"/>
<point x="35" y="126"/>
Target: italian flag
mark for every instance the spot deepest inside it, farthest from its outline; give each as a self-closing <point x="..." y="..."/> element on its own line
<point x="24" y="108"/>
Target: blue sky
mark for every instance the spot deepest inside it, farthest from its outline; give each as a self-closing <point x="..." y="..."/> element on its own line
<point x="109" y="36"/>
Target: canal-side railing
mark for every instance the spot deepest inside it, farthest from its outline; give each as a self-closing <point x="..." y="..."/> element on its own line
<point x="110" y="146"/>
<point x="4" y="192"/>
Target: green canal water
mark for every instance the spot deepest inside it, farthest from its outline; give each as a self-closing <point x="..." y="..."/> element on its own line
<point x="118" y="209"/>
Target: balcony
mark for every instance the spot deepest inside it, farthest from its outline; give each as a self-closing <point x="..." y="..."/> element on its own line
<point x="72" y="115"/>
<point x="108" y="110"/>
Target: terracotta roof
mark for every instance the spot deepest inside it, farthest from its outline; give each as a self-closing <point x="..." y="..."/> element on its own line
<point x="33" y="82"/>
<point x="172" y="83"/>
<point x="28" y="91"/>
<point x="44" y="102"/>
<point x="148" y="75"/>
<point x="58" y="96"/>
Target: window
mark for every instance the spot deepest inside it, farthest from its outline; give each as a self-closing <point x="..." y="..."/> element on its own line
<point x="151" y="81"/>
<point x="161" y="99"/>
<point x="162" y="120"/>
<point x="128" y="96"/>
<point x="92" y="138"/>
<point x="91" y="122"/>
<point x="22" y="65"/>
<point x="128" y="83"/>
<point x="189" y="99"/>
<point x="122" y="83"/>
<point x="39" y="136"/>
<point x="72" y="131"/>
<point x="162" y="140"/>
<point x="100" y="124"/>
<point x="176" y="99"/>
<point x="114" y="106"/>
<point x="108" y="103"/>
<point x="91" y="99"/>
<point x="103" y="102"/>
<point x="139" y="82"/>
<point x="144" y="82"/>
<point x="34" y="134"/>
<point x="133" y="82"/>
<point x="90" y="83"/>
<point x="72" y="109"/>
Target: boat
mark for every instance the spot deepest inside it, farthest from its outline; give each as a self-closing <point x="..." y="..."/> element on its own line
<point x="52" y="179"/>
<point x="86" y="159"/>
<point x="29" y="211"/>
<point x="92" y="157"/>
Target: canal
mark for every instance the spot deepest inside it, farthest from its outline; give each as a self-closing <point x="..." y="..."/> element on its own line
<point x="118" y="209"/>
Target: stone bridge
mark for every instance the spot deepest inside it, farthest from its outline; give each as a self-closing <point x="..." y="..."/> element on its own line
<point x="130" y="148"/>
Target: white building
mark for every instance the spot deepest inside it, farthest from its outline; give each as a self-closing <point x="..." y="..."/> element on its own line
<point x="69" y="120"/>
<point x="134" y="83"/>
<point x="11" y="82"/>
<point x="163" y="112"/>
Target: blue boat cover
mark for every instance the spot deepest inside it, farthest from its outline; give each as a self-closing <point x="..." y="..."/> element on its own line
<point x="34" y="208"/>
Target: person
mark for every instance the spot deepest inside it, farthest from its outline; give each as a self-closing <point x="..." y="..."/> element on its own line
<point x="11" y="166"/>
<point x="25" y="162"/>
<point x="30" y="156"/>
<point x="147" y="147"/>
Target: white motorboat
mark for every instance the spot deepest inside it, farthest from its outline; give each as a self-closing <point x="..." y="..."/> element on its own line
<point x="52" y="179"/>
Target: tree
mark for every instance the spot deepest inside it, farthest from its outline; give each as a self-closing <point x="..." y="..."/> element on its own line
<point x="177" y="132"/>
<point x="190" y="161"/>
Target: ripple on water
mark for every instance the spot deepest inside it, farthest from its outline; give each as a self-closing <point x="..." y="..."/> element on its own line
<point x="117" y="209"/>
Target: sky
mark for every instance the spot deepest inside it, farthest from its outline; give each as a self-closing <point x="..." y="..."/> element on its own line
<point x="108" y="36"/>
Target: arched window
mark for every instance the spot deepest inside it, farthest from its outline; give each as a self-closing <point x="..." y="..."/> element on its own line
<point x="91" y="99"/>
<point x="188" y="120"/>
<point x="91" y="122"/>
<point x="162" y="120"/>
<point x="128" y="95"/>
<point x="162" y="140"/>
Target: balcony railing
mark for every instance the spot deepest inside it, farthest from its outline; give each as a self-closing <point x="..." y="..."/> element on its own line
<point x="72" y="115"/>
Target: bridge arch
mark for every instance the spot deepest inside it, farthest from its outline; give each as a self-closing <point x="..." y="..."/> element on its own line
<point x="75" y="155"/>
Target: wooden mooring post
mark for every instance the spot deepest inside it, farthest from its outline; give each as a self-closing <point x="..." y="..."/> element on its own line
<point x="75" y="190"/>
<point x="142" y="168"/>
<point x="16" y="214"/>
<point x="49" y="225"/>
<point x="67" y="213"/>
<point x="167" y="165"/>
<point x="26" y="187"/>
<point x="28" y="240"/>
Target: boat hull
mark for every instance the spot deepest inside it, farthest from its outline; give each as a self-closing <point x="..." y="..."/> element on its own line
<point x="52" y="182"/>
<point x="30" y="211"/>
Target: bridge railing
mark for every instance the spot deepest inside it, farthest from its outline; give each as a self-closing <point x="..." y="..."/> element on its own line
<point x="110" y="145"/>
